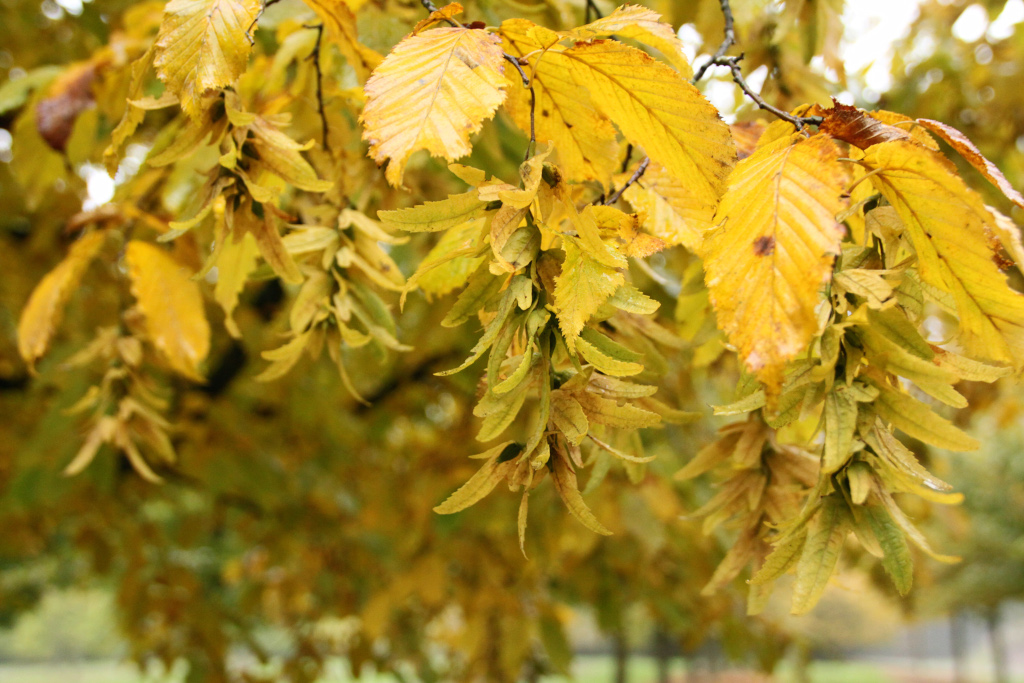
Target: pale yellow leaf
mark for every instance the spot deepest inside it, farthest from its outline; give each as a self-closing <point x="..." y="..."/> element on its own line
<point x="202" y="46"/>
<point x="565" y="483"/>
<point x="583" y="139"/>
<point x="669" y="209"/>
<point x="656" y="109"/>
<point x="949" y="227"/>
<point x="431" y="92"/>
<point x="42" y="313"/>
<point x="234" y="264"/>
<point x="645" y="27"/>
<point x="172" y="306"/>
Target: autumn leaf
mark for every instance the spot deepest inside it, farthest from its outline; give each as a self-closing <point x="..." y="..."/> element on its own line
<point x="341" y="27"/>
<point x="769" y="259"/>
<point x="581" y="288"/>
<point x="670" y="210"/>
<point x="42" y="313"/>
<point x="967" y="149"/>
<point x="820" y="554"/>
<point x="236" y="261"/>
<point x="583" y="139"/>
<point x="203" y="45"/>
<point x="858" y="127"/>
<point x="645" y="27"/>
<point x="172" y="305"/>
<point x="657" y="110"/>
<point x="948" y="226"/>
<point x="431" y="92"/>
<point x="565" y="483"/>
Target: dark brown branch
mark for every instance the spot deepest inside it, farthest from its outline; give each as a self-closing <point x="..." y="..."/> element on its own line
<point x="727" y="42"/>
<point x="533" y="123"/>
<point x="632" y="179"/>
<point x="592" y="9"/>
<point x="733" y="64"/>
<point x="737" y="77"/>
<point x="315" y="56"/>
<point x="514" y="61"/>
<point x="629" y="155"/>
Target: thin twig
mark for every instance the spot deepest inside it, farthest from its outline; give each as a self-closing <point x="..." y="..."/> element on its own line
<point x="733" y="64"/>
<point x="737" y="77"/>
<point x="727" y="42"/>
<point x="592" y="9"/>
<point x="632" y="179"/>
<point x="514" y="61"/>
<point x="533" y="123"/>
<point x="263" y="8"/>
<point x="315" y="56"/>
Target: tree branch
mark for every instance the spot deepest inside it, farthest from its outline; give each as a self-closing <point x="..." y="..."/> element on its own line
<point x="727" y="42"/>
<point x="263" y="8"/>
<point x="719" y="59"/>
<point x="315" y="56"/>
<point x="632" y="179"/>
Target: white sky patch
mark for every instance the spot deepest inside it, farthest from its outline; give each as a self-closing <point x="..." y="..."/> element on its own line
<point x="99" y="186"/>
<point x="1002" y="27"/>
<point x="871" y="29"/>
<point x="971" y="24"/>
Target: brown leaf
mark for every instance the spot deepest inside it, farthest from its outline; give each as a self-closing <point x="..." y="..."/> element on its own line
<point x="858" y="127"/>
<point x="69" y="96"/>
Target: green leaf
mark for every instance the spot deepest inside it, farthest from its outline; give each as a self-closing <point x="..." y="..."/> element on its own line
<point x="820" y="554"/>
<point x="434" y="216"/>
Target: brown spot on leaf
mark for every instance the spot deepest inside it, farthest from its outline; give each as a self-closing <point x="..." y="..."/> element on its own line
<point x="764" y="245"/>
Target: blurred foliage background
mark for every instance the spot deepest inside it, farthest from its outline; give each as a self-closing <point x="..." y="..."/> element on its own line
<point x="296" y="531"/>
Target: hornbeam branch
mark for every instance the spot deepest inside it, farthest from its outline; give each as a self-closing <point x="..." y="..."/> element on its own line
<point x="732" y="63"/>
<point x="632" y="179"/>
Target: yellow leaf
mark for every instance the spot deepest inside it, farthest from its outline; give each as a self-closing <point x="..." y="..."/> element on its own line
<point x="583" y="139"/>
<point x="203" y="45"/>
<point x="644" y="26"/>
<point x="499" y="466"/>
<point x="669" y="208"/>
<point x="172" y="306"/>
<point x="581" y="288"/>
<point x="234" y="264"/>
<point x="656" y="109"/>
<point x="341" y="27"/>
<point x="965" y="148"/>
<point x="434" y="216"/>
<point x="432" y="92"/>
<point x="949" y="228"/>
<point x="42" y="313"/>
<point x="768" y="261"/>
<point x="280" y="154"/>
<point x="565" y="483"/>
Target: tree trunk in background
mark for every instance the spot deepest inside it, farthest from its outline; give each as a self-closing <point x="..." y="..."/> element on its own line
<point x="663" y="649"/>
<point x="995" y="637"/>
<point x="621" y="658"/>
<point x="958" y="643"/>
